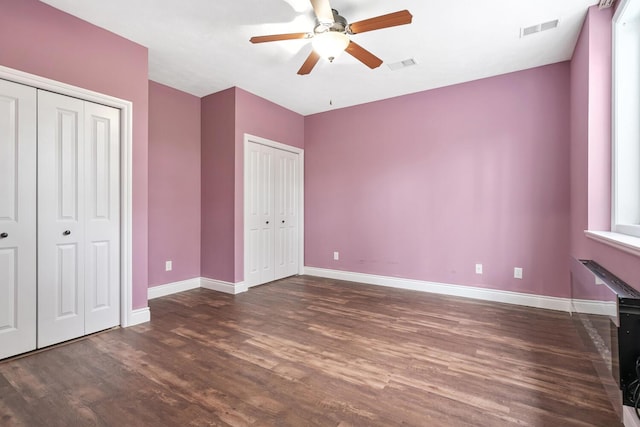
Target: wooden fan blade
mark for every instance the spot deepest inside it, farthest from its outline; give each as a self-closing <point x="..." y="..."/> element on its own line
<point x="323" y="11"/>
<point x="384" y="21"/>
<point x="308" y="65"/>
<point x="279" y="37"/>
<point x="363" y="55"/>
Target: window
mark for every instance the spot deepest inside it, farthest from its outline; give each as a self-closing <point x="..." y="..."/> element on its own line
<point x="626" y="119"/>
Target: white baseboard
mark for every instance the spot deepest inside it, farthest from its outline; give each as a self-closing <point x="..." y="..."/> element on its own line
<point x="529" y="300"/>
<point x="629" y="417"/>
<point x="173" y="288"/>
<point x="516" y="298"/>
<point x="220" y="286"/>
<point x="141" y="315"/>
<point x="195" y="283"/>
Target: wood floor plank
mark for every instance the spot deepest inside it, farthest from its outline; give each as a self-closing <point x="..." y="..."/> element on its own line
<point x="306" y="351"/>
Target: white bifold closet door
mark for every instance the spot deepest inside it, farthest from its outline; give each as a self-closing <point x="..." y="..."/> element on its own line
<point x="271" y="220"/>
<point x="286" y="208"/>
<point x="17" y="219"/>
<point x="78" y="218"/>
<point x="59" y="218"/>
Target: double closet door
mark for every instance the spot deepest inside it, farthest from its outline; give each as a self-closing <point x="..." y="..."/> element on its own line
<point x="59" y="218"/>
<point x="272" y="198"/>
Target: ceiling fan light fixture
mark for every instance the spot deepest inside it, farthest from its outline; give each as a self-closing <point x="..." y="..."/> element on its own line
<point x="331" y="44"/>
<point x="331" y="35"/>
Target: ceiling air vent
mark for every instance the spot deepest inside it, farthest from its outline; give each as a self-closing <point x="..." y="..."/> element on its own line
<point x="549" y="25"/>
<point x="403" y="64"/>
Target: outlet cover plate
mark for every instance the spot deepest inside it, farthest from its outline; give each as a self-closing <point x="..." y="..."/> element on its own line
<point x="517" y="273"/>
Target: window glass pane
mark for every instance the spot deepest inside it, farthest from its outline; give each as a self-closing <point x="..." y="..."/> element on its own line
<point x="626" y="119"/>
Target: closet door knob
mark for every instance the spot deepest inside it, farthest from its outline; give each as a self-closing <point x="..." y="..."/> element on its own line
<point x="4" y="235"/>
<point x="267" y="222"/>
<point x="66" y="232"/>
<point x="283" y="221"/>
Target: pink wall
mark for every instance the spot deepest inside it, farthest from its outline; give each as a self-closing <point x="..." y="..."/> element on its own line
<point x="426" y="185"/>
<point x="41" y="40"/>
<point x="258" y="117"/>
<point x="591" y="147"/>
<point x="591" y="128"/>
<point x="226" y="117"/>
<point x="174" y="184"/>
<point x="579" y="141"/>
<point x="422" y="186"/>
<point x="218" y="174"/>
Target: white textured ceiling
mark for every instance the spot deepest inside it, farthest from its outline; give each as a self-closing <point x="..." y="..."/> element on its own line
<point x="202" y="46"/>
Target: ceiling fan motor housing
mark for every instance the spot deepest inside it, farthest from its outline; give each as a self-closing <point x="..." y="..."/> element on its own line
<point x="339" y="24"/>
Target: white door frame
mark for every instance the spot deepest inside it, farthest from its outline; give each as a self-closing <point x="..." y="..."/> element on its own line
<point x="248" y="138"/>
<point x="128" y="316"/>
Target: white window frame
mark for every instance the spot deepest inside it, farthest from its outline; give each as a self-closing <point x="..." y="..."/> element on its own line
<point x="625" y="214"/>
<point x="625" y="156"/>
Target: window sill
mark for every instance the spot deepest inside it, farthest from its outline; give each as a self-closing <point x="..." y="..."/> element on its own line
<point x="624" y="242"/>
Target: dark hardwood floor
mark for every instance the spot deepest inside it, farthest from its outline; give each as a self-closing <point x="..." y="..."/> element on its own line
<point x="314" y="352"/>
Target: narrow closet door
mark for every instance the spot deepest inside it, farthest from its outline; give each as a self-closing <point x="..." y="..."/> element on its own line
<point x="259" y="217"/>
<point x="286" y="213"/>
<point x="17" y="219"/>
<point x="102" y="217"/>
<point x="61" y="200"/>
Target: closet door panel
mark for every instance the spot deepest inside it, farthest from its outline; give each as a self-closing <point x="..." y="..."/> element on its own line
<point x="102" y="215"/>
<point x="259" y="226"/>
<point x="17" y="219"/>
<point x="265" y="206"/>
<point x="61" y="198"/>
<point x="252" y="217"/>
<point x="286" y="212"/>
<point x="66" y="281"/>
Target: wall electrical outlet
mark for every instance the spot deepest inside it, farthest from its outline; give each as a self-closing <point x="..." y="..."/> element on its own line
<point x="168" y="266"/>
<point x="478" y="268"/>
<point x="517" y="272"/>
<point x="336" y="256"/>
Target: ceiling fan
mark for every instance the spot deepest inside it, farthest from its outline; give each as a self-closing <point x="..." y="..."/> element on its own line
<point x="331" y="35"/>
